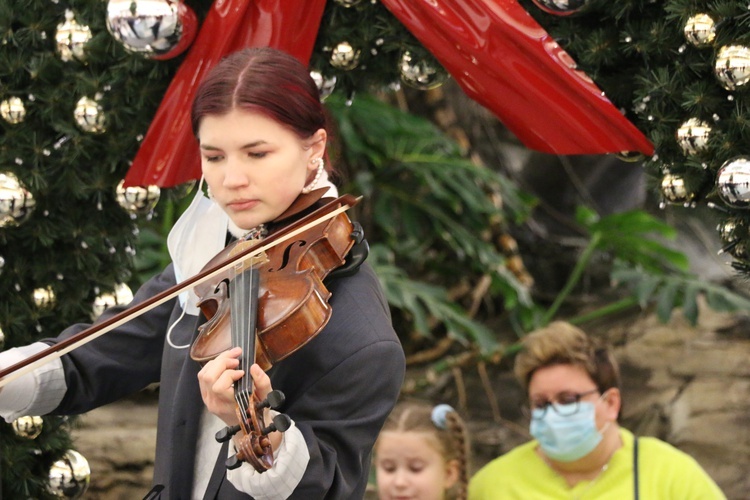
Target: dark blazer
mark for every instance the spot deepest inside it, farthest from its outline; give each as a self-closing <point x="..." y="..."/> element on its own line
<point x="339" y="387"/>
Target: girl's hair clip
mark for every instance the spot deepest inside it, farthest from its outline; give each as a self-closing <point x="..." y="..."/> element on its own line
<point x="439" y="413"/>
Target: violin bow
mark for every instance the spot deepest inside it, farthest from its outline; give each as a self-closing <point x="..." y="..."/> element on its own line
<point x="83" y="337"/>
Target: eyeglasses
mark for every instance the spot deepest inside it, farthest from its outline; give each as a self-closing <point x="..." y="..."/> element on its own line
<point x="565" y="404"/>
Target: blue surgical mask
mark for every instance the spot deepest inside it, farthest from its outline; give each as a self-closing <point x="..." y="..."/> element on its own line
<point x="566" y="438"/>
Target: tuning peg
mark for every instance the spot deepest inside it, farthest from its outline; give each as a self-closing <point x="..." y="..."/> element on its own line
<point x="281" y="423"/>
<point x="274" y="400"/>
<point x="226" y="433"/>
<point x="233" y="462"/>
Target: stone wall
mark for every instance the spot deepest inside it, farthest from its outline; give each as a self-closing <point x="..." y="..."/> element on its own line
<point x="687" y="385"/>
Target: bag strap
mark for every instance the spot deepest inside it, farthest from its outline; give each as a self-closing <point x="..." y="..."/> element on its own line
<point x="635" y="467"/>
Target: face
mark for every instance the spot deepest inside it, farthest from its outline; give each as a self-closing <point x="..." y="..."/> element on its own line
<point x="409" y="466"/>
<point x="255" y="167"/>
<point x="556" y="382"/>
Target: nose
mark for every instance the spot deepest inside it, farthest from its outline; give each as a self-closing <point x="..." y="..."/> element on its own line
<point x="234" y="174"/>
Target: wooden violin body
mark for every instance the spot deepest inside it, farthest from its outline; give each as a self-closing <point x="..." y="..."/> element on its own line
<point x="292" y="299"/>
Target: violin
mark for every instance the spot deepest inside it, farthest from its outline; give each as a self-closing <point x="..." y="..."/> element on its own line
<point x="271" y="306"/>
<point x="301" y="254"/>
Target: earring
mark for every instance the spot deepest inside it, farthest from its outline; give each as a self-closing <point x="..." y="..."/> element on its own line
<point x="318" y="173"/>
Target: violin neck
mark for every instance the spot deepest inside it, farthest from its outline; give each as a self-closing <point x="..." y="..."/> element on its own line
<point x="243" y="294"/>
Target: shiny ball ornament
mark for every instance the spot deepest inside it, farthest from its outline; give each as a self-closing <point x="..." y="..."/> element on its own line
<point x="89" y="116"/>
<point x="44" y="298"/>
<point x="732" y="229"/>
<point x="692" y="136"/>
<point x="70" y="476"/>
<point x="121" y="296"/>
<point x="700" y="30"/>
<point x="28" y="427"/>
<point x="560" y="7"/>
<point x="138" y="200"/>
<point x="2" y="339"/>
<point x="157" y="29"/>
<point x="345" y="57"/>
<point x="732" y="66"/>
<point x="733" y="182"/>
<point x="674" y="191"/>
<point x="420" y="73"/>
<point x="71" y="38"/>
<point x="347" y="3"/>
<point x="630" y="156"/>
<point x="325" y="85"/>
<point x="16" y="203"/>
<point x="12" y="110"/>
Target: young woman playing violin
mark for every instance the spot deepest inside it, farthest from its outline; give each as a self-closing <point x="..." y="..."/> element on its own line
<point x="262" y="135"/>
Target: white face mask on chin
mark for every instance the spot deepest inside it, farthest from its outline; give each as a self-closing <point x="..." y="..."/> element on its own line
<point x="198" y="235"/>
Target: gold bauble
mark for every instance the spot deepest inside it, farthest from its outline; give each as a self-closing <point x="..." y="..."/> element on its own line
<point x="700" y="30"/>
<point x="138" y="199"/>
<point x="692" y="136"/>
<point x="732" y="229"/>
<point x="44" y="298"/>
<point x="674" y="191"/>
<point x="28" y="427"/>
<point x="89" y="115"/>
<point x="13" y="110"/>
<point x="630" y="156"/>
<point x="69" y="477"/>
<point x="72" y="38"/>
<point x="345" y="57"/>
<point x="122" y="295"/>
<point x="421" y="72"/>
<point x="16" y="203"/>
<point x="732" y="66"/>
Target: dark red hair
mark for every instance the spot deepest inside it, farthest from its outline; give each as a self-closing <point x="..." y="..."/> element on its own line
<point x="265" y="80"/>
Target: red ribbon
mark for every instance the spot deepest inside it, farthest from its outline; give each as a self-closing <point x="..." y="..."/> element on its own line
<point x="505" y="61"/>
<point x="169" y="154"/>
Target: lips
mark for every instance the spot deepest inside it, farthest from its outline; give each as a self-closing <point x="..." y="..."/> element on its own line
<point x="240" y="205"/>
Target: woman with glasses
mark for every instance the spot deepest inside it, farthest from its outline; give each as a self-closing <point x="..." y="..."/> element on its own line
<point x="579" y="451"/>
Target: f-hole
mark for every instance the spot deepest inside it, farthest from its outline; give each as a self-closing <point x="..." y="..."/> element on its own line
<point x="287" y="255"/>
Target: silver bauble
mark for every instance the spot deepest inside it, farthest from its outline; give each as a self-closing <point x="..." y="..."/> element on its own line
<point x="700" y="30"/>
<point x="345" y="57"/>
<point x="560" y="7"/>
<point x="732" y="66"/>
<point x="44" y="298"/>
<point x="325" y="85"/>
<point x="89" y="115"/>
<point x="16" y="203"/>
<point x="158" y="29"/>
<point x="71" y="38"/>
<point x="2" y="339"/>
<point x="138" y="199"/>
<point x="692" y="136"/>
<point x="69" y="477"/>
<point x="28" y="427"/>
<point x="420" y="73"/>
<point x="674" y="191"/>
<point x="12" y="110"/>
<point x="122" y="295"/>
<point x="733" y="182"/>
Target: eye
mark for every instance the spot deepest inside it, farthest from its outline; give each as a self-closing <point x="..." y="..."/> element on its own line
<point x="212" y="158"/>
<point x="538" y="404"/>
<point x="567" y="398"/>
<point x="257" y="154"/>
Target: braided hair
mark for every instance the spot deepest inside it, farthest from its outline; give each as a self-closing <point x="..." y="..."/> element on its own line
<point x="449" y="431"/>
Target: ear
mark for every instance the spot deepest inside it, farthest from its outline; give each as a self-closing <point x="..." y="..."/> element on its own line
<point x="317" y="146"/>
<point x="613" y="402"/>
<point x="451" y="473"/>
